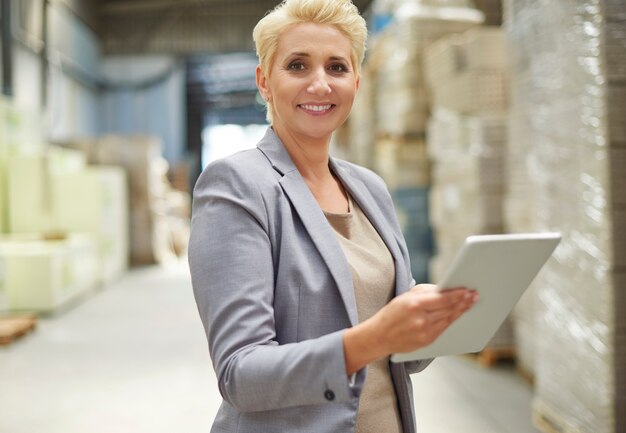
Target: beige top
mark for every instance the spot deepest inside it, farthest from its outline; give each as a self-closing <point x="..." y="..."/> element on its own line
<point x="373" y="275"/>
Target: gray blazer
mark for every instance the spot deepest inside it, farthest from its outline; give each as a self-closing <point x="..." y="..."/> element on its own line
<point x="275" y="293"/>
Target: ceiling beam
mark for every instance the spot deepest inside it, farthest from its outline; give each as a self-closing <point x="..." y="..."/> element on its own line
<point x="135" y="6"/>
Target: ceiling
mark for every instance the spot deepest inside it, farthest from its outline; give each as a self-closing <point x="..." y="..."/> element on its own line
<point x="181" y="26"/>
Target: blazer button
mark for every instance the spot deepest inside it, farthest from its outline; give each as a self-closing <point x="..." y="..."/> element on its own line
<point x="329" y="395"/>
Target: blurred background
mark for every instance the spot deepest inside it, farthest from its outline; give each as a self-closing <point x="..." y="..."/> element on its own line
<point x="483" y="116"/>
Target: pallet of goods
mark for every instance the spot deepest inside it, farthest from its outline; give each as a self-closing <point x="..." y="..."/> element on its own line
<point x="574" y="143"/>
<point x="468" y="80"/>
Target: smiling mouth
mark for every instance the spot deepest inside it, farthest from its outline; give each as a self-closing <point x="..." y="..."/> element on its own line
<point x="317" y="108"/>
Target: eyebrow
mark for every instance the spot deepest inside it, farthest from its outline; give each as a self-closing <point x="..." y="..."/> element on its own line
<point x="303" y="54"/>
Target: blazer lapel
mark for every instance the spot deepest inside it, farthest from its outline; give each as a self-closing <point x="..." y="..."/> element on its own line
<point x="312" y="218"/>
<point x="368" y="204"/>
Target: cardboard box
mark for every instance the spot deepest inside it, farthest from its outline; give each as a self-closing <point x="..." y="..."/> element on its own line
<point x="30" y="195"/>
<point x="43" y="276"/>
<point x="95" y="201"/>
<point x="52" y="194"/>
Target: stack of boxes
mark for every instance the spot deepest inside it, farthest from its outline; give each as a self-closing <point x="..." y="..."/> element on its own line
<point x="467" y="137"/>
<point x="141" y="157"/>
<point x="403" y="104"/>
<point x="400" y="96"/>
<point x="468" y="77"/>
<point x="64" y="224"/>
<point x="571" y="68"/>
<point x="518" y="206"/>
<point x="158" y="214"/>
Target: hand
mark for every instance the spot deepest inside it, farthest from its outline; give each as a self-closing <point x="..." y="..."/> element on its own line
<point x="416" y="318"/>
<point x="410" y="321"/>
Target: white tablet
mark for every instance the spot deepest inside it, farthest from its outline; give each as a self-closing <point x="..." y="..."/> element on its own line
<point x="500" y="268"/>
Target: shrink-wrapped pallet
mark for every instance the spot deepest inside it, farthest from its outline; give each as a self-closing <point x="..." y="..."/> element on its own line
<point x="56" y="193"/>
<point x="468" y="179"/>
<point x="402" y="97"/>
<point x="467" y="142"/>
<point x="566" y="62"/>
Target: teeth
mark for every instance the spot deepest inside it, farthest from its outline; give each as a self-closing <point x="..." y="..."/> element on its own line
<point x="317" y="107"/>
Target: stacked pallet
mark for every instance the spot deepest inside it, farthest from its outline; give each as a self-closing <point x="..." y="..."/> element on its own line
<point x="158" y="213"/>
<point x="55" y="194"/>
<point x="402" y="106"/>
<point x="467" y="135"/>
<point x="62" y="224"/>
<point x="578" y="172"/>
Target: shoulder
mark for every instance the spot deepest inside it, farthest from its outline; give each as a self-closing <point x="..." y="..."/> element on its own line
<point x="368" y="177"/>
<point x="373" y="184"/>
<point x="242" y="171"/>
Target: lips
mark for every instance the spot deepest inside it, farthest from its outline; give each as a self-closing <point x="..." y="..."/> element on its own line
<point x="317" y="108"/>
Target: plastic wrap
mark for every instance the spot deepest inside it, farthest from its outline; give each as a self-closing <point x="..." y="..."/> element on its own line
<point x="568" y="118"/>
<point x="616" y="49"/>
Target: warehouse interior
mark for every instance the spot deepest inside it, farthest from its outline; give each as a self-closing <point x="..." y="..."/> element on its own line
<point x="483" y="117"/>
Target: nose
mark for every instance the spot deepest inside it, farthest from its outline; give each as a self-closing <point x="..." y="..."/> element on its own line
<point x="319" y="84"/>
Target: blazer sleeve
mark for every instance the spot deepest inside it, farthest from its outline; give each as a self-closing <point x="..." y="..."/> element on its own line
<point x="232" y="271"/>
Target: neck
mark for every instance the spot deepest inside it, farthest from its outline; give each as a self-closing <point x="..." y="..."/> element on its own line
<point x="309" y="154"/>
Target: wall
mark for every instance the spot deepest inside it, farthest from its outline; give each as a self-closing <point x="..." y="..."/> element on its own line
<point x="87" y="94"/>
<point x="145" y="95"/>
<point x="74" y="63"/>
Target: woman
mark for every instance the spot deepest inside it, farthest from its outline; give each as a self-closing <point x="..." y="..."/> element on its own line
<point x="299" y="267"/>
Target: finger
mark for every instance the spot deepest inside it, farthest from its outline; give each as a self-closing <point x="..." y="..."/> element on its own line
<point x="450" y="314"/>
<point x="453" y="314"/>
<point x="451" y="289"/>
<point x="432" y="301"/>
<point x="421" y="288"/>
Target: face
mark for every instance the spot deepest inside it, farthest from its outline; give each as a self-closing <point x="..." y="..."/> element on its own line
<point x="312" y="82"/>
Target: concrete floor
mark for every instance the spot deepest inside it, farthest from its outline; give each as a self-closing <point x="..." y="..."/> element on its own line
<point x="133" y="358"/>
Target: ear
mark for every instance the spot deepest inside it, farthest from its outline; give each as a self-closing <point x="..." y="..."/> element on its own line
<point x="358" y="81"/>
<point x="261" y="83"/>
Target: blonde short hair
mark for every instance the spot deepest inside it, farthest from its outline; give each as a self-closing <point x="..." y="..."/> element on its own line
<point x="342" y="14"/>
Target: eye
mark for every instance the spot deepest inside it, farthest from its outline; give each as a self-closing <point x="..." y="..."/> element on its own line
<point x="296" y="66"/>
<point x="338" y="67"/>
